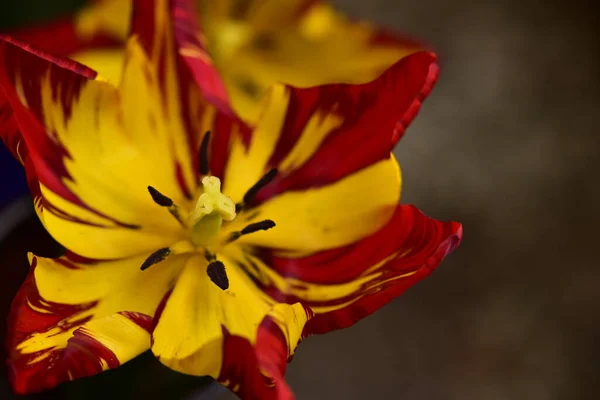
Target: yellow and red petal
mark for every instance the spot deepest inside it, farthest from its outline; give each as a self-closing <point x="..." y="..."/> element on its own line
<point x="337" y="182"/>
<point x="64" y="37"/>
<point x="95" y="150"/>
<point x="298" y="42"/>
<point x="160" y="97"/>
<point x="326" y="217"/>
<point x="93" y="36"/>
<point x="70" y="130"/>
<point x="319" y="135"/>
<point x="257" y="371"/>
<point x="238" y="335"/>
<point x="344" y="285"/>
<point x="74" y="318"/>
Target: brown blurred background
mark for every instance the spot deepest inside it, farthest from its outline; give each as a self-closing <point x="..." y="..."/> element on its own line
<point x="507" y="145"/>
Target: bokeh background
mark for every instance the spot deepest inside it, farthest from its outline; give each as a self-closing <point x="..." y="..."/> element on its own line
<point x="507" y="144"/>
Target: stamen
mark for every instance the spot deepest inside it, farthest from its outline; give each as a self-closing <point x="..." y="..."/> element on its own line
<point x="210" y="257"/>
<point x="156" y="257"/>
<point x="165" y="201"/>
<point x="160" y="198"/>
<point x="253" y="191"/>
<point x="203" y="155"/>
<point x="255" y="227"/>
<point x="258" y="226"/>
<point x="216" y="273"/>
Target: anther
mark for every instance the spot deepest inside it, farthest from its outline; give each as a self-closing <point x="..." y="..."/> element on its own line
<point x="159" y="198"/>
<point x="203" y="155"/>
<point x="216" y="273"/>
<point x="156" y="257"/>
<point x="165" y="201"/>
<point x="253" y="191"/>
<point x="258" y="226"/>
<point x="255" y="227"/>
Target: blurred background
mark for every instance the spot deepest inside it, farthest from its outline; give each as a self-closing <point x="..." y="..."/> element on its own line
<point x="507" y="144"/>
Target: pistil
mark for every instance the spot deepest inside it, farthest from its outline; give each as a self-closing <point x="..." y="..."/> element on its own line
<point x="211" y="209"/>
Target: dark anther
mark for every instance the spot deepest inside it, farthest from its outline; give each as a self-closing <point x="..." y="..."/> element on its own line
<point x="262" y="182"/>
<point x="216" y="273"/>
<point x="203" y="156"/>
<point x="258" y="226"/>
<point x="156" y="257"/>
<point x="160" y="198"/>
<point x="255" y="227"/>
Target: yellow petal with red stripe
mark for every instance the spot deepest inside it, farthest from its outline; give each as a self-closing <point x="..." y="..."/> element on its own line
<point x="317" y="136"/>
<point x="104" y="17"/>
<point x="96" y="150"/>
<point x="107" y="62"/>
<point x="163" y="107"/>
<point x="72" y="319"/>
<point x="345" y="284"/>
<point x="329" y="216"/>
<point x="200" y="326"/>
<point x="302" y="43"/>
<point x="72" y="128"/>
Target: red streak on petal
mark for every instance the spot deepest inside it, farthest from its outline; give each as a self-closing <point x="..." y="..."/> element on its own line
<point x="375" y="116"/>
<point x="371" y="302"/>
<point x="159" y="311"/>
<point x="257" y="372"/>
<point x="82" y="355"/>
<point x="142" y="320"/>
<point x="202" y="69"/>
<point x="25" y="320"/>
<point x="43" y="154"/>
<point x="181" y="181"/>
<point x="60" y="38"/>
<point x="221" y="139"/>
<point x="413" y="245"/>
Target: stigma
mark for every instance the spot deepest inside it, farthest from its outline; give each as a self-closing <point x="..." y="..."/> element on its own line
<point x="212" y="201"/>
<point x="211" y="209"/>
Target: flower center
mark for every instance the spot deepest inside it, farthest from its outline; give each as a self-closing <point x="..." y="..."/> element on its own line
<point x="204" y="222"/>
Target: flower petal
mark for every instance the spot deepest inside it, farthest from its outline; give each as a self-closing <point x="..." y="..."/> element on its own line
<point x="70" y="132"/>
<point x="99" y="24"/>
<point x="201" y="327"/>
<point x="93" y="36"/>
<point x="329" y="216"/>
<point x="108" y="62"/>
<point x="299" y="42"/>
<point x="344" y="285"/>
<point x="319" y="135"/>
<point x="160" y="98"/>
<point x="72" y="319"/>
<point x="82" y="135"/>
